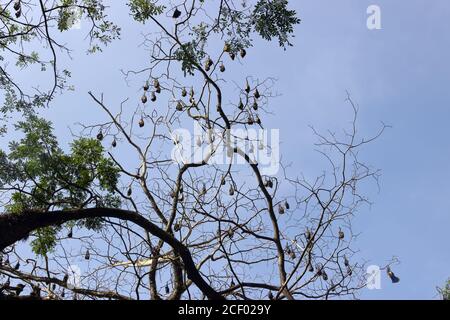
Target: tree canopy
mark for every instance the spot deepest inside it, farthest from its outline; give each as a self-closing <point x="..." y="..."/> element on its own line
<point x="166" y="229"/>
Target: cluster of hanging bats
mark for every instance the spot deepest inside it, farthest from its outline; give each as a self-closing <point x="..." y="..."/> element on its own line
<point x="8" y="288"/>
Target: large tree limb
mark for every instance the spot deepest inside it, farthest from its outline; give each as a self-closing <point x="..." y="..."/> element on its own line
<point x="14" y="227"/>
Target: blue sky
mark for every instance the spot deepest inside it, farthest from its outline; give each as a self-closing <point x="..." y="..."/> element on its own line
<point x="399" y="75"/>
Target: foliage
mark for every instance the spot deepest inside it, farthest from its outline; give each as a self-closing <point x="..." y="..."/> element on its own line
<point x="45" y="240"/>
<point x="237" y="26"/>
<point x="18" y="34"/>
<point x="272" y="19"/>
<point x="142" y="10"/>
<point x="51" y="179"/>
<point x="445" y="291"/>
<point x="190" y="56"/>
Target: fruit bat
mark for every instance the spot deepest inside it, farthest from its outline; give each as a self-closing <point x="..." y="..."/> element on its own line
<point x="231" y="191"/>
<point x="346" y="262"/>
<point x="176" y="13"/>
<point x="167" y="289"/>
<point x="292" y="255"/>
<point x="391" y="275"/>
<point x="241" y="105"/>
<point x="19" y="289"/>
<point x="247" y="88"/>
<point x="308" y="235"/>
